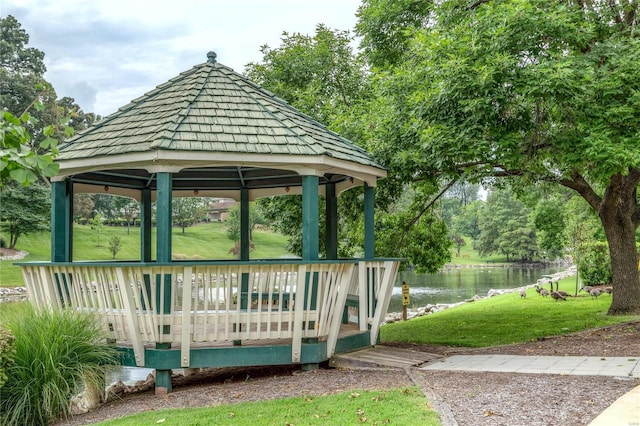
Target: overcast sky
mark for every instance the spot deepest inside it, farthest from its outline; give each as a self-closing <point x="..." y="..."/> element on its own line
<point x="104" y="53"/>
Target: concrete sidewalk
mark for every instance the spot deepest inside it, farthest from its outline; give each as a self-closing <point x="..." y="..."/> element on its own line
<point x="578" y="365"/>
<point x="625" y="411"/>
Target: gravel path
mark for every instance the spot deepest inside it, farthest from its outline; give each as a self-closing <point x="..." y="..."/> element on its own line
<point x="460" y="398"/>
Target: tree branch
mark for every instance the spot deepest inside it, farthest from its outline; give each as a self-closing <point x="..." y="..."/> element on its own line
<point x="582" y="187"/>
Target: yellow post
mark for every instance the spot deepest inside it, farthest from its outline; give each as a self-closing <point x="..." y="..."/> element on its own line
<point x="405" y="300"/>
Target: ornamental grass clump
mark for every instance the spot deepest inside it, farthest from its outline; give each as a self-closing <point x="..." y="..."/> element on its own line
<point x="57" y="354"/>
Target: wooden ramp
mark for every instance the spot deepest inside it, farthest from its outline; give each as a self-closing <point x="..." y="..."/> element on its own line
<point x="381" y="356"/>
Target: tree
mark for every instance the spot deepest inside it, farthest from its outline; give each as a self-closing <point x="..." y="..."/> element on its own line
<point x="22" y="84"/>
<point x="104" y="204"/>
<point x="232" y="223"/>
<point x="24" y="210"/>
<point x="321" y="76"/>
<point x="549" y="220"/>
<point x="466" y="221"/>
<point x="98" y="226"/>
<point x="82" y="208"/>
<point x="528" y="90"/>
<point x="115" y="244"/>
<point x="128" y="209"/>
<point x="505" y="229"/>
<point x="459" y="242"/>
<point x="26" y="101"/>
<point x="188" y="210"/>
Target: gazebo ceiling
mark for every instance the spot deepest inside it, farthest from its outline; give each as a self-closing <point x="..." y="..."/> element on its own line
<point x="218" y="133"/>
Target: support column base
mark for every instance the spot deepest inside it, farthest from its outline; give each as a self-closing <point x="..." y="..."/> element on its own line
<point x="163" y="382"/>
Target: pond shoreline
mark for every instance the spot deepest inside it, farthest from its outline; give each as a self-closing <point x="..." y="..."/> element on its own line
<point x="437" y="307"/>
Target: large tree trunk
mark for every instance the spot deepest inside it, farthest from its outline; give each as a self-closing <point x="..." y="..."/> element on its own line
<point x="618" y="216"/>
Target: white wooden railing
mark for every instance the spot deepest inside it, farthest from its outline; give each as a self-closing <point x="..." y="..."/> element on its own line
<point x="217" y="302"/>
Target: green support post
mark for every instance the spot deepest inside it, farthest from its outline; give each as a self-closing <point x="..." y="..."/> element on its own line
<point x="245" y="247"/>
<point x="145" y="236"/>
<point x="331" y="201"/>
<point x="369" y="239"/>
<point x="310" y="217"/>
<point x="145" y="226"/>
<point x="163" y="254"/>
<point x="61" y="221"/>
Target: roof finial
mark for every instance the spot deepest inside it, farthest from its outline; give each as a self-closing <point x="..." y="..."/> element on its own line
<point x="211" y="57"/>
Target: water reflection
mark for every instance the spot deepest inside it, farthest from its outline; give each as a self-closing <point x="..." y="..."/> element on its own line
<point x="129" y="375"/>
<point x="458" y="284"/>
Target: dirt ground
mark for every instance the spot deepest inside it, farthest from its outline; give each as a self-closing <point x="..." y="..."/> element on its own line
<point x="460" y="398"/>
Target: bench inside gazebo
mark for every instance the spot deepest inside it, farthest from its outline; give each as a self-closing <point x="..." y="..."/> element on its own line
<point x="210" y="132"/>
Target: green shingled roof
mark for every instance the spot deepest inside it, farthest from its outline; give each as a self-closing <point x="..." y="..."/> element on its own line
<point x="213" y="109"/>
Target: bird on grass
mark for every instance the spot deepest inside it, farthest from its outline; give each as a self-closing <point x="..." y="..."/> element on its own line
<point x="595" y="292"/>
<point x="543" y="292"/>
<point x="608" y="290"/>
<point x="563" y="293"/>
<point x="586" y="288"/>
<point x="523" y="294"/>
<point x="557" y="296"/>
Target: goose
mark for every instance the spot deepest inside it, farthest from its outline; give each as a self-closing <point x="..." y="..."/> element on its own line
<point x="555" y="295"/>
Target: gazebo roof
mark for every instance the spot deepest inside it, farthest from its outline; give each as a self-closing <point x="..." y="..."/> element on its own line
<point x="217" y="132"/>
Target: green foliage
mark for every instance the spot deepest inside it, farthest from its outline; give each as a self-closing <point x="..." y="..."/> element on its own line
<point x="18" y="161"/>
<point x="24" y="210"/>
<point x="396" y="406"/>
<point x="499" y="320"/>
<point x="466" y="220"/>
<point x="7" y="353"/>
<point x="98" y="226"/>
<point x="505" y="228"/>
<point x="188" y="210"/>
<point x="115" y="243"/>
<point x="526" y="90"/>
<point x="233" y="221"/>
<point x="424" y="243"/>
<point x="549" y="221"/>
<point x="595" y="264"/>
<point x="27" y="103"/>
<point x="57" y="354"/>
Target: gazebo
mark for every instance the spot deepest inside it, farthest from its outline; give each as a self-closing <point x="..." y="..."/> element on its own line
<point x="210" y="132"/>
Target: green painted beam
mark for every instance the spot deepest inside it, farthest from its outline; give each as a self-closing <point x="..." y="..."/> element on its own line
<point x="232" y="356"/>
<point x="353" y="342"/>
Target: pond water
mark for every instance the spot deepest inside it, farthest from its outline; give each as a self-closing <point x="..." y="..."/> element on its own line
<point x="458" y="284"/>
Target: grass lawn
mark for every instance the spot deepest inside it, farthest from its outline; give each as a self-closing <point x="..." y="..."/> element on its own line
<point x="203" y="241"/>
<point x="506" y="319"/>
<point x="398" y="407"/>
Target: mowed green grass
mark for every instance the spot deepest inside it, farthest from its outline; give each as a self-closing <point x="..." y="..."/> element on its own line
<point x="397" y="407"/>
<point x="506" y="319"/>
<point x="203" y="241"/>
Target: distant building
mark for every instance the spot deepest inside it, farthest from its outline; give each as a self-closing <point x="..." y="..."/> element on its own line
<point x="218" y="210"/>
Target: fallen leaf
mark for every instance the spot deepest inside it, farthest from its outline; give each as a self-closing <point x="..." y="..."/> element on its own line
<point x="161" y="421"/>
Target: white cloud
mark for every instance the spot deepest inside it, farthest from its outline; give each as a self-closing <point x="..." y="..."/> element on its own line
<point x="106" y="53"/>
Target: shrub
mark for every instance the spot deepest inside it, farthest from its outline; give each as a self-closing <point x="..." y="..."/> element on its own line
<point x="114" y="245"/>
<point x="7" y="351"/>
<point x="595" y="264"/>
<point x="57" y="354"/>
